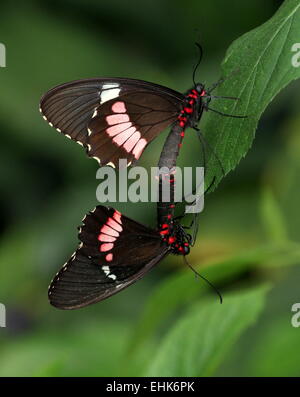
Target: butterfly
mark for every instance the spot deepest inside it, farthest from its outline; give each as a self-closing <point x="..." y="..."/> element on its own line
<point x="114" y="252"/>
<point x="116" y="118"/>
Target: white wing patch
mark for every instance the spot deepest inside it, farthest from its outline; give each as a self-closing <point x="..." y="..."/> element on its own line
<point x="109" y="91"/>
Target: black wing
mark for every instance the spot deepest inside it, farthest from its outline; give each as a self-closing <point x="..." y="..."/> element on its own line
<point x="115" y="252"/>
<point x="70" y="107"/>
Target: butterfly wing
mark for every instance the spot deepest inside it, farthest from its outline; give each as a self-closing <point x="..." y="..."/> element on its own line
<point x="70" y="107"/>
<point x="122" y="127"/>
<point x="115" y="252"/>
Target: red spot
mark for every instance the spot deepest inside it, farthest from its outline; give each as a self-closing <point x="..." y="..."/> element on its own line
<point x="106" y="238"/>
<point x="117" y="216"/>
<point x="110" y="231"/>
<point x="118" y="107"/>
<point x="172" y="206"/>
<point x="169" y="216"/>
<point x="109" y="257"/>
<point x="117" y="119"/>
<point x="171" y="240"/>
<point x="203" y="93"/>
<point x="191" y="101"/>
<point x="186" y="244"/>
<point x="180" y="249"/>
<point x="182" y="133"/>
<point x="115" y="225"/>
<point x="139" y="147"/>
<point x="164" y="226"/>
<point x="163" y="232"/>
<point x="106" y="247"/>
<point x="195" y="92"/>
<point x="188" y="110"/>
<point x="182" y="123"/>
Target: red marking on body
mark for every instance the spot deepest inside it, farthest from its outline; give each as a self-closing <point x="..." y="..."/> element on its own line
<point x="106" y="247"/>
<point x="181" y="123"/>
<point x="118" y="107"/>
<point x="171" y="239"/>
<point x="169" y="216"/>
<point x="163" y="232"/>
<point x="172" y="206"/>
<point x="109" y="257"/>
<point x="117" y="129"/>
<point x="105" y="238"/>
<point x="139" y="147"/>
<point x="110" y="231"/>
<point x="116" y="119"/>
<point x="112" y="223"/>
<point x="188" y="110"/>
<point x="203" y="93"/>
<point x="182" y="133"/>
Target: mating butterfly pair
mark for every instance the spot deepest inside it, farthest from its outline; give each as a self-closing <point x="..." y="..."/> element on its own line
<point x="114" y="119"/>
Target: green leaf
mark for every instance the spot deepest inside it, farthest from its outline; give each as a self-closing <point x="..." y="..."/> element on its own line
<point x="199" y="341"/>
<point x="268" y="353"/>
<point x="180" y="289"/>
<point x="272" y="217"/>
<point x="262" y="62"/>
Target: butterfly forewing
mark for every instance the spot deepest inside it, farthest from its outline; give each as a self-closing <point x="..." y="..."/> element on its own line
<point x="115" y="252"/>
<point x="70" y="107"/>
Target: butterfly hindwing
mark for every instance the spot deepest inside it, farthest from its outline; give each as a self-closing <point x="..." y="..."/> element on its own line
<point x="70" y="107"/>
<point x="124" y="126"/>
<point x="115" y="251"/>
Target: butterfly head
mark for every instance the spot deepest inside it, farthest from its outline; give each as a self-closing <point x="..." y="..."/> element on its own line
<point x="200" y="89"/>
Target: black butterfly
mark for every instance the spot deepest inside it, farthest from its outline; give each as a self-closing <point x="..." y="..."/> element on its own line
<point x="117" y="118"/>
<point x="115" y="251"/>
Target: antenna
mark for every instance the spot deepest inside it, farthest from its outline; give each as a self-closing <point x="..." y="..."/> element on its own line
<point x="203" y="278"/>
<point x="199" y="61"/>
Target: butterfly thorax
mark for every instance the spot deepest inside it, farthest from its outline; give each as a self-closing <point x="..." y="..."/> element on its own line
<point x="175" y="237"/>
<point x="193" y="106"/>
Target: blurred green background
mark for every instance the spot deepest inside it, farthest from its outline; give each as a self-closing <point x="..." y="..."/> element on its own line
<point x="249" y="231"/>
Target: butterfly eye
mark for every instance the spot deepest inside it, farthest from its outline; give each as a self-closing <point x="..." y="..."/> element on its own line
<point x="186" y="250"/>
<point x="199" y="88"/>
